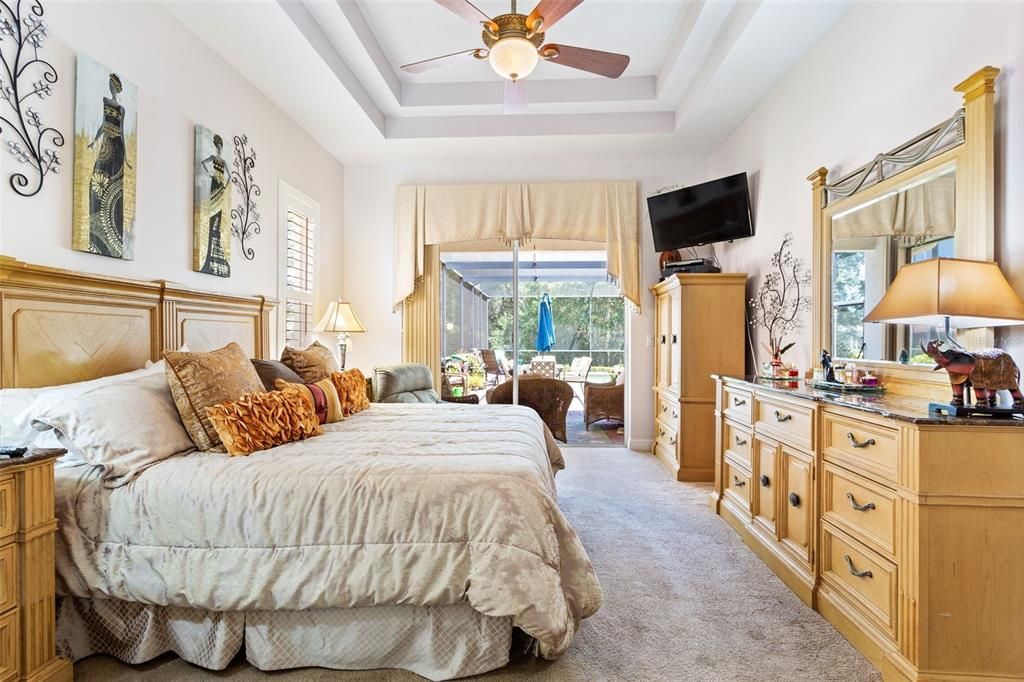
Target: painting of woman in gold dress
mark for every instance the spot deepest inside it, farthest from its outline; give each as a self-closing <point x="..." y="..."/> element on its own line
<point x="211" y="241"/>
<point x="105" y="147"/>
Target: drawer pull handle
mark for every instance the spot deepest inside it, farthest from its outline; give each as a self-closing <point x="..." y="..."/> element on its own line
<point x="740" y="441"/>
<point x="661" y="433"/>
<point x="854" y="571"/>
<point x="664" y="408"/>
<point x="675" y="414"/>
<point x="738" y="482"/>
<point x="663" y="338"/>
<point x="859" y="507"/>
<point x="779" y="417"/>
<point x="673" y="441"/>
<point x="765" y="481"/>
<point x="675" y="339"/>
<point x="794" y="499"/>
<point x="738" y="402"/>
<point x="857" y="444"/>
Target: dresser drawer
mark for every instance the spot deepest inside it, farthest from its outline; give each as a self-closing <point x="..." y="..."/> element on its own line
<point x="738" y="442"/>
<point x="860" y="507"/>
<point x="8" y="508"/>
<point x="737" y="405"/>
<point x="790" y="423"/>
<point x="736" y="484"/>
<point x="862" y="446"/>
<point x="667" y="408"/>
<point x="864" y="580"/>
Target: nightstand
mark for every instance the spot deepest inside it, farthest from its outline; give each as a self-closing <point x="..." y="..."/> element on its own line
<point x="27" y="573"/>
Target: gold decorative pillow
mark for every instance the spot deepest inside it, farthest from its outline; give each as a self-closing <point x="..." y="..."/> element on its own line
<point x="313" y="364"/>
<point x="201" y="380"/>
<point x="351" y="385"/>
<point x="260" y="421"/>
<point x="321" y="396"/>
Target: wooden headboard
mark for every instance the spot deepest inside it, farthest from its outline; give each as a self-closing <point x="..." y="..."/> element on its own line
<point x="59" y="326"/>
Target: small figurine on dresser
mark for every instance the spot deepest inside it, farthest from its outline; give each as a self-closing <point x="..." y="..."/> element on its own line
<point x="826" y="365"/>
<point x="986" y="371"/>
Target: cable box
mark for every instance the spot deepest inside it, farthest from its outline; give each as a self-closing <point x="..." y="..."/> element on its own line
<point x="689" y="266"/>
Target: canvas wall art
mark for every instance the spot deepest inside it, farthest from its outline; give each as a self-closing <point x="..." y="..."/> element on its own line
<point x="211" y="240"/>
<point x="106" y="143"/>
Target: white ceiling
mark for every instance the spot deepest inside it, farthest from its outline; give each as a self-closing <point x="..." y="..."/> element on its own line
<point x="697" y="69"/>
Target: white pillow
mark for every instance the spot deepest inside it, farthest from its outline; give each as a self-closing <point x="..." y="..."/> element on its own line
<point x="13" y="402"/>
<point x="124" y="426"/>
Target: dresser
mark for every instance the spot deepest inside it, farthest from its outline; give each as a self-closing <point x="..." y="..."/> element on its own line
<point x="700" y="326"/>
<point x="27" y="578"/>
<point x="904" y="530"/>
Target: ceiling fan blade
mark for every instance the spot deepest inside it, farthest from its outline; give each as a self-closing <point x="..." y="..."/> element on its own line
<point x="515" y="97"/>
<point x="443" y="60"/>
<point x="607" y="64"/>
<point x="468" y="11"/>
<point x="550" y="11"/>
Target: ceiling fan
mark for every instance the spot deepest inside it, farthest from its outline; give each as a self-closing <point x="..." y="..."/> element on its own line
<point x="514" y="44"/>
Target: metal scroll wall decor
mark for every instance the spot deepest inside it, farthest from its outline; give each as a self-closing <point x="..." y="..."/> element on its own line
<point x="245" y="218"/>
<point x="26" y="76"/>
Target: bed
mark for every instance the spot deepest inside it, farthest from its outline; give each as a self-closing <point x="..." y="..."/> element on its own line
<point x="407" y="536"/>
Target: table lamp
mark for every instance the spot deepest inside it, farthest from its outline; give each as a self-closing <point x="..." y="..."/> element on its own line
<point x="951" y="293"/>
<point x="342" y="320"/>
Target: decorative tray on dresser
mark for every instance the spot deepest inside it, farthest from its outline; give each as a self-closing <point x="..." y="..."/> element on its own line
<point x="903" y="528"/>
<point x="27" y="579"/>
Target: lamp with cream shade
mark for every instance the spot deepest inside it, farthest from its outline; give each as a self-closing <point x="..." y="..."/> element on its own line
<point x="952" y="293"/>
<point x="341" y="319"/>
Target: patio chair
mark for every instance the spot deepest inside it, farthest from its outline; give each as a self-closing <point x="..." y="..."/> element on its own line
<point x="578" y="371"/>
<point x="550" y="398"/>
<point x="604" y="401"/>
<point x="545" y="366"/>
<point x="493" y="366"/>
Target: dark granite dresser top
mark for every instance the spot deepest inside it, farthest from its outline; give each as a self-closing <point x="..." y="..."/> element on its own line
<point x="901" y="408"/>
<point x="33" y="455"/>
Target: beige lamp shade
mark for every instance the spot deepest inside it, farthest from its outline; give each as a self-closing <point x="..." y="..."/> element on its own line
<point x="967" y="293"/>
<point x="339" y="318"/>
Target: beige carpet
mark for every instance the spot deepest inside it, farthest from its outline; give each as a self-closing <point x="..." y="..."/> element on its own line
<point x="684" y="598"/>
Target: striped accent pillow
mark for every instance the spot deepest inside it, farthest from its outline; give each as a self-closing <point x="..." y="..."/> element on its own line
<point x="322" y="396"/>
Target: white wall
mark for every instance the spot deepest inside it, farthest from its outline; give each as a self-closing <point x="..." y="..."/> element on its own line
<point x="369" y="219"/>
<point x="181" y="83"/>
<point x="883" y="74"/>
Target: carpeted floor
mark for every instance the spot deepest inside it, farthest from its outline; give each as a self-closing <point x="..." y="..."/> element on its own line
<point x="684" y="598"/>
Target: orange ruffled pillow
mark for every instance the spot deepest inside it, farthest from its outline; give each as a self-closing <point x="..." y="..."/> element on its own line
<point x="351" y="386"/>
<point x="259" y="421"/>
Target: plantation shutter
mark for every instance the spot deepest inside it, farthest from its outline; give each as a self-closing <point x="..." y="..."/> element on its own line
<point x="300" y="276"/>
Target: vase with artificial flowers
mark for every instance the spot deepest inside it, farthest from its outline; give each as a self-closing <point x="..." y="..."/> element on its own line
<point x="780" y="300"/>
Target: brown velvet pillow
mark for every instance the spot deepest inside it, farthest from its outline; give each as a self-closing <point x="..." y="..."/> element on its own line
<point x="272" y="370"/>
<point x="201" y="380"/>
<point x="260" y="421"/>
<point x="313" y="364"/>
<point x="351" y="385"/>
<point x="321" y="396"/>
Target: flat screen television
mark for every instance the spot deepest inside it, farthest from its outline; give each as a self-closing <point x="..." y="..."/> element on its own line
<point x="715" y="211"/>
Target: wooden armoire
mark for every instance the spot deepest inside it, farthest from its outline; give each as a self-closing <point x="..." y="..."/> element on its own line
<point x="700" y="330"/>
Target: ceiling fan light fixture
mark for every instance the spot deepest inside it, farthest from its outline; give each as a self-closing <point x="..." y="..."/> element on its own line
<point x="513" y="57"/>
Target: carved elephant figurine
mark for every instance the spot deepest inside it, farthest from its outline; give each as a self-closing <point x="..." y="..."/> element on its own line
<point x="987" y="371"/>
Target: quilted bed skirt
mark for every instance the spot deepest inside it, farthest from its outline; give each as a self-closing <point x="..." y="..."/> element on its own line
<point x="436" y="642"/>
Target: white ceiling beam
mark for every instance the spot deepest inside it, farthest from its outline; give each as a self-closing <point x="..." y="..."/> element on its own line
<point x="562" y="91"/>
<point x="320" y="42"/>
<point x="725" y="40"/>
<point x="364" y="34"/>
<point x="652" y="122"/>
<point x="683" y="30"/>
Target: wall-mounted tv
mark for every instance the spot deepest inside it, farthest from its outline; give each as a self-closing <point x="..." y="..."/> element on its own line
<point x="715" y="211"/>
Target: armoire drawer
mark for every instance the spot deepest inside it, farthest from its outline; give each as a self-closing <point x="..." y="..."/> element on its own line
<point x="860" y="445"/>
<point x="793" y="424"/>
<point x="864" y="579"/>
<point x="861" y="507"/>
<point x="737" y="405"/>
<point x="739" y="443"/>
<point x="667" y="408"/>
<point x="665" y="435"/>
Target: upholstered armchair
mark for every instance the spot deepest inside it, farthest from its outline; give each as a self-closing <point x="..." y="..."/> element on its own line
<point x="604" y="401"/>
<point x="550" y="398"/>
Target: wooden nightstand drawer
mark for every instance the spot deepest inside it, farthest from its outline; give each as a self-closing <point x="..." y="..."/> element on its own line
<point x="862" y="508"/>
<point x="860" y="445"/>
<point x="8" y="508"/>
<point x="737" y="405"/>
<point x="8" y="577"/>
<point x="9" y="646"/>
<point x="790" y="423"/>
<point x="863" y="578"/>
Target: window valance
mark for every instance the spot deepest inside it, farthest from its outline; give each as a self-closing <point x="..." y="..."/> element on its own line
<point x="923" y="211"/>
<point x="588" y="211"/>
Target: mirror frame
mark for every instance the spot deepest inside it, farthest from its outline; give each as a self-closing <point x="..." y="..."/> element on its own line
<point x="974" y="161"/>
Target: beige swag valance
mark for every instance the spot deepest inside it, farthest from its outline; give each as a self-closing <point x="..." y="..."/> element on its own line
<point x="581" y="211"/>
<point x="922" y="211"/>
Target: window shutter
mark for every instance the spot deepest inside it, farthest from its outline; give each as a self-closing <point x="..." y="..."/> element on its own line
<point x="300" y="278"/>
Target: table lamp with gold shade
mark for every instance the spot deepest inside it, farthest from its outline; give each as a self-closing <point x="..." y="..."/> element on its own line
<point x="341" y="320"/>
<point x="952" y="293"/>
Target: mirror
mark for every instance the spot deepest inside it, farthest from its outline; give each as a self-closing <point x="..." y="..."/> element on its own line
<point x="870" y="243"/>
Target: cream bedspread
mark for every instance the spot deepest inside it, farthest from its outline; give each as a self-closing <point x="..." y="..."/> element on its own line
<point x="400" y="504"/>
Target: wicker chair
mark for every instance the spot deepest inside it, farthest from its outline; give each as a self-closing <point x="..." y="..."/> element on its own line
<point x="604" y="401"/>
<point x="448" y="397"/>
<point x="550" y="398"/>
